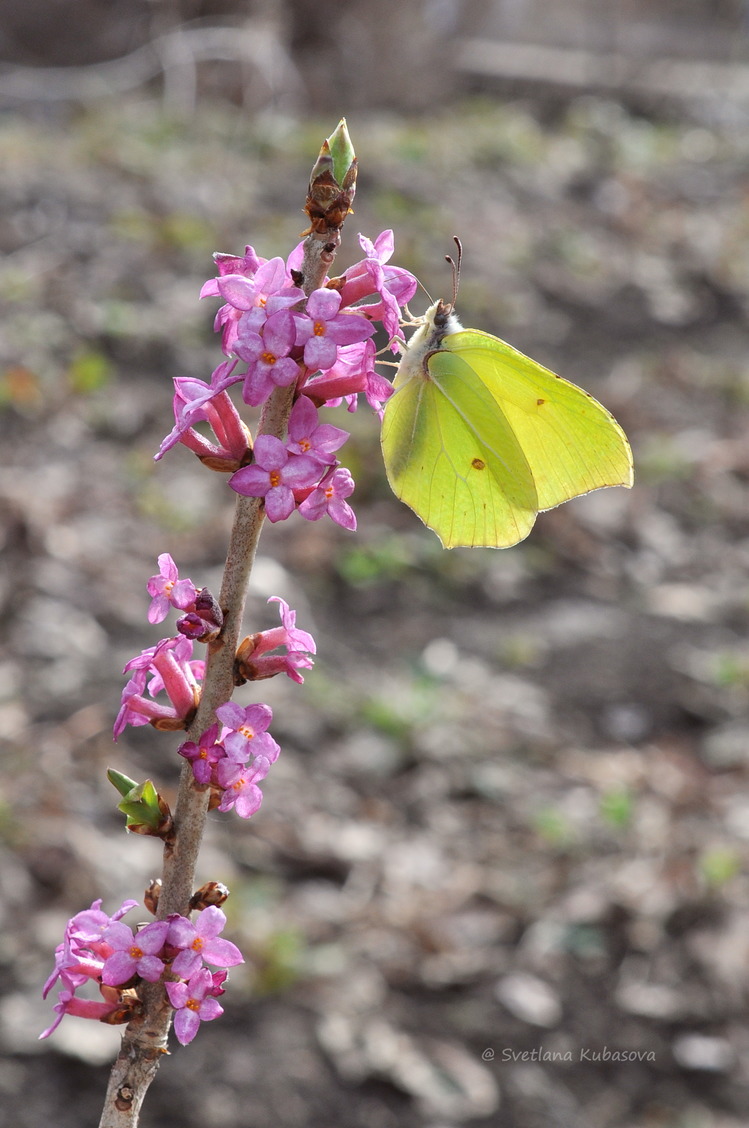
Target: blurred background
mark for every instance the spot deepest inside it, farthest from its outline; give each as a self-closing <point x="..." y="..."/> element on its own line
<point x="500" y="873"/>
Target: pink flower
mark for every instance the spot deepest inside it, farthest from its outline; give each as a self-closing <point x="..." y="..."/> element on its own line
<point x="240" y="783"/>
<point x="353" y="372"/>
<point x="267" y="356"/>
<point x="329" y="497"/>
<point x="67" y="1003"/>
<point x="81" y="955"/>
<point x="203" y="754"/>
<point x="194" y="1002"/>
<point x="255" y="663"/>
<point x="274" y="475"/>
<point x="322" y="328"/>
<point x="134" y="954"/>
<point x="247" y="732"/>
<point x="195" y="401"/>
<point x="168" y="590"/>
<point x="246" y="284"/>
<point x="308" y="436"/>
<point x="171" y="671"/>
<point x="201" y="942"/>
<point x="271" y="277"/>
<point x="394" y="286"/>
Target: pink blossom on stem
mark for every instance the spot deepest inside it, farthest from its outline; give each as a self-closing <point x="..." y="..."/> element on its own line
<point x="194" y="402"/>
<point x="308" y="436"/>
<point x="329" y="497"/>
<point x="255" y="663"/>
<point x="245" y="292"/>
<point x="249" y="287"/>
<point x="201" y="942"/>
<point x="289" y="634"/>
<point x="134" y="954"/>
<point x="81" y="955"/>
<point x="68" y="1003"/>
<point x="168" y="590"/>
<point x="240" y="784"/>
<point x="247" y="733"/>
<point x="194" y="1002"/>
<point x="353" y="372"/>
<point x="372" y="275"/>
<point x="274" y="475"/>
<point x="266" y="353"/>
<point x="203" y="754"/>
<point x="171" y="671"/>
<point x="322" y="328"/>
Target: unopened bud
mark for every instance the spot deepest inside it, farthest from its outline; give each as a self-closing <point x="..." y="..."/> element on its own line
<point x="212" y="893"/>
<point x="332" y="183"/>
<point x="152" y="895"/>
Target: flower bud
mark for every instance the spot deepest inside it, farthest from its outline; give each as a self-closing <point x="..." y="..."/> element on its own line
<point x="332" y="183"/>
<point x="152" y="895"/>
<point x="212" y="893"/>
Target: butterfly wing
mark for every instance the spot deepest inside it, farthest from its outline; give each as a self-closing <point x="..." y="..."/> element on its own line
<point x="452" y="456"/>
<point x="572" y="443"/>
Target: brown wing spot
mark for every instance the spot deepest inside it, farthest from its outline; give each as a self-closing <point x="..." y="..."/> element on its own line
<point x="539" y="402"/>
<point x="478" y="464"/>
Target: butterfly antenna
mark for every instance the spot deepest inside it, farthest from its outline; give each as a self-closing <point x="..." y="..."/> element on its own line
<point x="455" y="265"/>
<point x="423" y="287"/>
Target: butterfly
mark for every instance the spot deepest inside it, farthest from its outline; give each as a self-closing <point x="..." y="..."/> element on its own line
<point x="478" y="439"/>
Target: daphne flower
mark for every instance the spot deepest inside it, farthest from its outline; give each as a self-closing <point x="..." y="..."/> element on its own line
<point x="201" y="942"/>
<point x="171" y="671"/>
<point x="274" y="475"/>
<point x="194" y="402"/>
<point x="329" y="497"/>
<point x="322" y="328"/>
<point x="203" y="754"/>
<point x="240" y="784"/>
<point x="247" y="731"/>
<point x="267" y="357"/>
<point x="194" y="1002"/>
<point x="308" y="436"/>
<point x="168" y="590"/>
<point x="134" y="954"/>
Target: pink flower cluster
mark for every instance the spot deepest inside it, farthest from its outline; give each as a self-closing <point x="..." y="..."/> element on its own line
<point x="103" y="951"/>
<point x="234" y="762"/>
<point x="167" y="669"/>
<point x="277" y="337"/>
